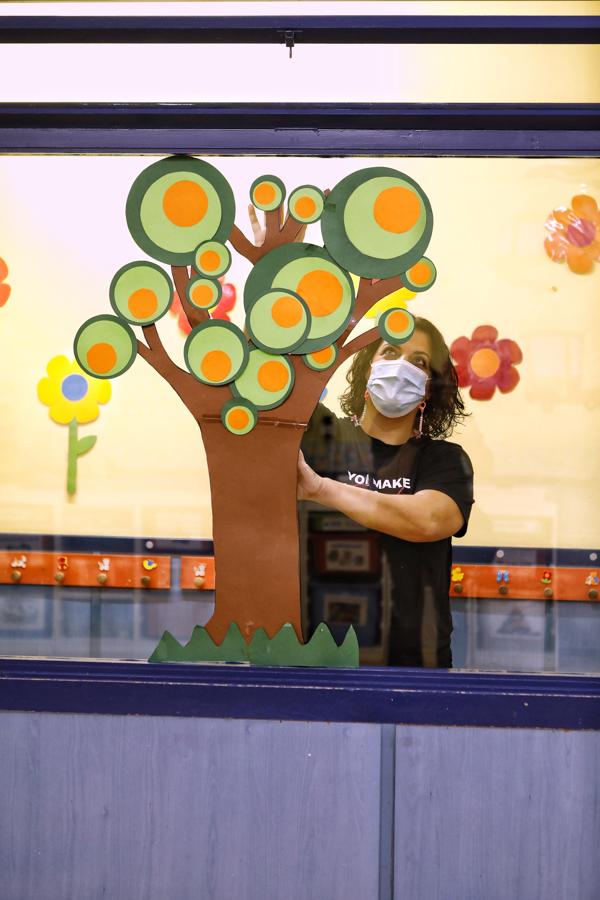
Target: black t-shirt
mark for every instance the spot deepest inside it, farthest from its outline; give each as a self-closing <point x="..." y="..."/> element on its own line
<point x="420" y="572"/>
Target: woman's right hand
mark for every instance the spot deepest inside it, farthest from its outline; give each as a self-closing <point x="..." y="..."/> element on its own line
<point x="309" y="483"/>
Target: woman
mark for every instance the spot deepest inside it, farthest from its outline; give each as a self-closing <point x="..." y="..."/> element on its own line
<point x="394" y="474"/>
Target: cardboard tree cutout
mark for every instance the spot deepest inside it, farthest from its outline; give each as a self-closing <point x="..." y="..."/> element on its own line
<point x="252" y="392"/>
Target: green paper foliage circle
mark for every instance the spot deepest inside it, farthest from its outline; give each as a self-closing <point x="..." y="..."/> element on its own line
<point x="239" y="416"/>
<point x="421" y="276"/>
<point x="278" y="321"/>
<point x="377" y="222"/>
<point x="204" y="293"/>
<point x="212" y="259"/>
<point x="215" y="352"/>
<point x="266" y="381"/>
<point x="267" y="192"/>
<point x="176" y="204"/>
<point x="141" y="292"/>
<point x="396" y="325"/>
<point x="323" y="359"/>
<point x="306" y="203"/>
<point x="310" y="272"/>
<point x="105" y="346"/>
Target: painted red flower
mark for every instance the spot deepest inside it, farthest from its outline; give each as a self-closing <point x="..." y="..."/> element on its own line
<point x="226" y="303"/>
<point x="574" y="234"/>
<point x="4" y="288"/>
<point x="484" y="363"/>
<point x="220" y="311"/>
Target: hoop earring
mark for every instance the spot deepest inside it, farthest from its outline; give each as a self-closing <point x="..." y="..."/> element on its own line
<point x="421" y="407"/>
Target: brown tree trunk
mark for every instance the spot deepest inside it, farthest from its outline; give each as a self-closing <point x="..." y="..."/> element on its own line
<point x="255" y="528"/>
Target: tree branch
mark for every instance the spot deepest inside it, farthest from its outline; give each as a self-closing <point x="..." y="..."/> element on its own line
<point x="154" y="342"/>
<point x="292" y="230"/>
<point x="276" y="235"/>
<point x="181" y="277"/>
<point x="273" y="220"/>
<point x="244" y="247"/>
<point x="202" y="400"/>
<point x="155" y="354"/>
<point x="369" y="292"/>
<point x="358" y="343"/>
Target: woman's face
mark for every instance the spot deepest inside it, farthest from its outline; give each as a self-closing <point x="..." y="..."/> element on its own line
<point x="417" y="350"/>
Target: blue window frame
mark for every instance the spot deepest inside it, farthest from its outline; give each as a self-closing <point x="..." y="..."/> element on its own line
<point x="426" y="697"/>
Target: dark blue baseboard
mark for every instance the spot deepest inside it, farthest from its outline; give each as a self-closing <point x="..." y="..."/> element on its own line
<point x="399" y="696"/>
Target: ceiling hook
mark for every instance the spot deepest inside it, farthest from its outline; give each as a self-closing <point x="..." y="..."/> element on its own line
<point x="290" y="42"/>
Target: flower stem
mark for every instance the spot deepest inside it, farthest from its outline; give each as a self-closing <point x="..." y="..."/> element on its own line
<point x="72" y="458"/>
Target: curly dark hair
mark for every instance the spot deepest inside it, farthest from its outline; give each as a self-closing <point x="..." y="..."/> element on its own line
<point x="445" y="408"/>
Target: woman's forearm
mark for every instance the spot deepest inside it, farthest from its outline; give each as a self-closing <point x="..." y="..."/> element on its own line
<point x="406" y="517"/>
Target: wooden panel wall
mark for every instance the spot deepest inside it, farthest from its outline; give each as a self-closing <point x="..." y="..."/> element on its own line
<point x="171" y="809"/>
<point x="497" y="813"/>
<point x="131" y="807"/>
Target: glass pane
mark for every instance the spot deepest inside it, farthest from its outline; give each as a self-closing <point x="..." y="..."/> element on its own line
<point x="522" y="328"/>
<point x="238" y="73"/>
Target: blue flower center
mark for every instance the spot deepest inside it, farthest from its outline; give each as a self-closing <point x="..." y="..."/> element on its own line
<point x="74" y="387"/>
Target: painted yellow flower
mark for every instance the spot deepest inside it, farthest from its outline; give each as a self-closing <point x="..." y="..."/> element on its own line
<point x="70" y="393"/>
<point x="397" y="299"/>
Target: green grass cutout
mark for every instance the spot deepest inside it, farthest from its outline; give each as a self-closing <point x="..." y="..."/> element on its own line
<point x="283" y="649"/>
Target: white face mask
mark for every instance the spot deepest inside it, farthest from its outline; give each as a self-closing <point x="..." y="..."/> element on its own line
<point x="396" y="387"/>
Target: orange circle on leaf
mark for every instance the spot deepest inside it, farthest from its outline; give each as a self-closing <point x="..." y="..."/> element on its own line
<point x="101" y="358"/>
<point x="238" y="419"/>
<point x="264" y="193"/>
<point x="420" y="273"/>
<point x="185" y="203"/>
<point x="485" y="362"/>
<point x="305" y="207"/>
<point x="398" y="321"/>
<point x="202" y="295"/>
<point x="321" y="291"/>
<point x="322" y="356"/>
<point x="397" y="209"/>
<point x="209" y="260"/>
<point x="273" y="376"/>
<point x="215" y="365"/>
<point x="286" y="312"/>
<point x="142" y="303"/>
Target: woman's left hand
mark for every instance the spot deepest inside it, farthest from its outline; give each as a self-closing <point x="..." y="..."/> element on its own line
<point x="309" y="483"/>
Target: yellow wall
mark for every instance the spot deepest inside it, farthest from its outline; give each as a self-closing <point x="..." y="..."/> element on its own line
<point x="63" y="235"/>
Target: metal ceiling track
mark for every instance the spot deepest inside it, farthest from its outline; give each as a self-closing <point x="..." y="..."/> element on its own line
<point x="296" y="30"/>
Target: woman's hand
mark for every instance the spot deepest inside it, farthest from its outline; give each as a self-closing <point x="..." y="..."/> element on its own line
<point x="309" y="483"/>
<point x="259" y="232"/>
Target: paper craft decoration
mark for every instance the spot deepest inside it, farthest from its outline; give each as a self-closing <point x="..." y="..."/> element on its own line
<point x="284" y="649"/>
<point x="141" y="293"/>
<point x="174" y="206"/>
<point x="4" y="288"/>
<point x="377" y="222"/>
<point x="306" y="204"/>
<point x="267" y="193"/>
<point x="105" y="347"/>
<point x="252" y="390"/>
<point x="215" y="352"/>
<point x="72" y="398"/>
<point x="574" y="234"/>
<point x="396" y="325"/>
<point x="485" y="363"/>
